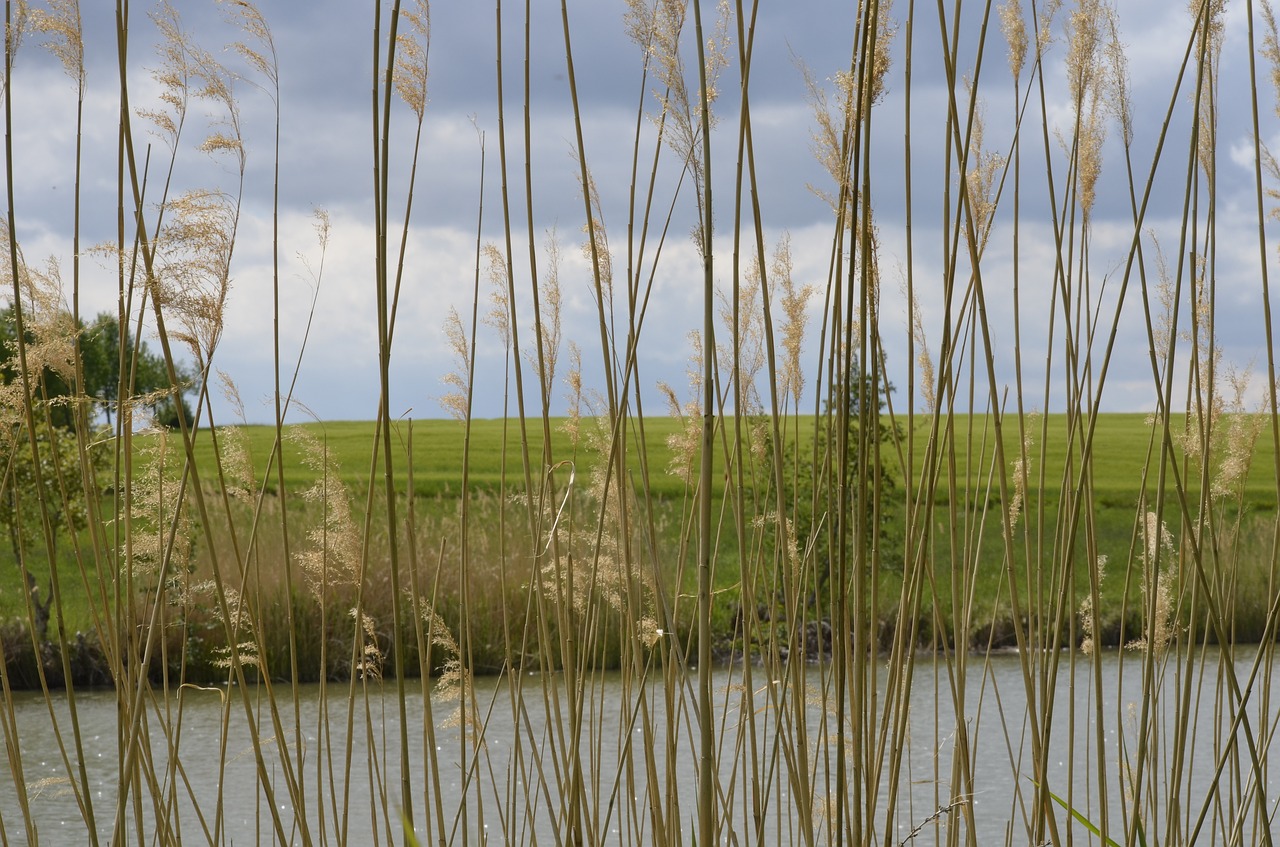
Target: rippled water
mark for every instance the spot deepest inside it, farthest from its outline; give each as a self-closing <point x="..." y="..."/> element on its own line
<point x="213" y="771"/>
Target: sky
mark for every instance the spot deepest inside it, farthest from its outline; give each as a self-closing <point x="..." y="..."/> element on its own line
<point x="326" y="322"/>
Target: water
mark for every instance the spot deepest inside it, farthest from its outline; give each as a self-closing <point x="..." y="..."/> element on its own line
<point x="208" y="784"/>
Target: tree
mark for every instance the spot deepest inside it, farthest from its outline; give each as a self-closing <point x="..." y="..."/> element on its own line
<point x="100" y="345"/>
<point x="57" y="489"/>
<point x="52" y="482"/>
<point x="100" y="349"/>
<point x="819" y="477"/>
<point x="50" y="364"/>
<point x="59" y="471"/>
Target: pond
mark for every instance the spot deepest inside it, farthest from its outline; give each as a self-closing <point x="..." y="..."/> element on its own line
<point x="200" y="774"/>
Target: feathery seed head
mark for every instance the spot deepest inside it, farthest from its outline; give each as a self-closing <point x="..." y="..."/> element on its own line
<point x="1156" y="538"/>
<point x="61" y="25"/>
<point x="923" y="358"/>
<point x="1211" y="27"/>
<point x="1084" y="39"/>
<point x="231" y="394"/>
<point x="237" y="464"/>
<point x="549" y="316"/>
<point x="40" y="788"/>
<point x="156" y="506"/>
<point x="216" y="84"/>
<point x="261" y="57"/>
<point x="193" y="267"/>
<point x="1210" y="31"/>
<point x="831" y="125"/>
<point x="412" y="47"/>
<point x="458" y="401"/>
<point x="217" y="142"/>
<point x="1157" y="588"/>
<point x="322" y="226"/>
<point x="882" y="57"/>
<point x="743" y="322"/>
<point x="572" y="425"/>
<point x="1086" y="625"/>
<point x="1089" y="158"/>
<point x="173" y="75"/>
<point x="1015" y="33"/>
<point x="657" y="30"/>
<point x="1086" y="611"/>
<point x="454" y="684"/>
<point x="684" y="442"/>
<point x="437" y="632"/>
<point x="1163" y="331"/>
<point x="1090" y="85"/>
<point x="499" y="314"/>
<point x="16" y="28"/>
<point x="649" y="633"/>
<point x="795" y="301"/>
<point x="1121" y="90"/>
<point x="48" y="329"/>
<point x="980" y="181"/>
<point x="1271" y="49"/>
<point x="596" y="248"/>
<point x="246" y="654"/>
<point x="369" y="663"/>
<point x="334" y="557"/>
<point x="1044" y="26"/>
<point x="1021" y="469"/>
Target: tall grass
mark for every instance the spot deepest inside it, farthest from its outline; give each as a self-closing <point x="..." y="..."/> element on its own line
<point x="794" y="642"/>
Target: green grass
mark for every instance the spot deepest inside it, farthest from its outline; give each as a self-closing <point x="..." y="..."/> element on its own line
<point x="1122" y="448"/>
<point x="438" y="447"/>
<point x="1122" y="444"/>
<point x="1121" y="451"/>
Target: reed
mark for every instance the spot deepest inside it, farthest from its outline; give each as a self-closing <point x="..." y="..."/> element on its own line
<point x="816" y="596"/>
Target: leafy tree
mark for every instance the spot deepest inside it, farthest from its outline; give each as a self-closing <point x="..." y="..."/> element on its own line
<point x="51" y="482"/>
<point x="59" y="491"/>
<point x="100" y="350"/>
<point x="818" y="475"/>
<point x="59" y="471"/>
<point x="52" y="364"/>
<point x="100" y="346"/>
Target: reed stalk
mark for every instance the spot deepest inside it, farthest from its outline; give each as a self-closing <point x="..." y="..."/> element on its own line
<point x="901" y="575"/>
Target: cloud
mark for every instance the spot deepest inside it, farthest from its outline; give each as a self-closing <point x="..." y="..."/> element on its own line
<point x="326" y="159"/>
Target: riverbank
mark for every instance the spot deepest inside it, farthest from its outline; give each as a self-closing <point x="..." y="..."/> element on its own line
<point x="192" y="654"/>
<point x="469" y="553"/>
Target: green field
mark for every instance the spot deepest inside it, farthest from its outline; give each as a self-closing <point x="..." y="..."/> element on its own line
<point x="965" y="536"/>
<point x="1124" y="452"/>
<point x="438" y="448"/>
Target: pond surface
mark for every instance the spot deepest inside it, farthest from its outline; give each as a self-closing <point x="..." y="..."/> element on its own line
<point x="207" y="784"/>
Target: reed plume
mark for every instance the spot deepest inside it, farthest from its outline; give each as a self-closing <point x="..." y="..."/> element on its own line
<point x="1014" y="27"/>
